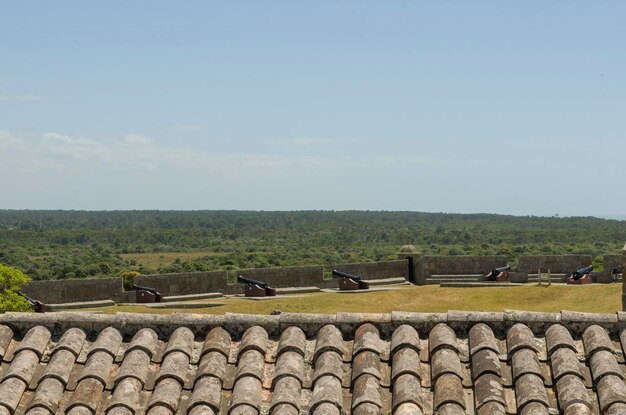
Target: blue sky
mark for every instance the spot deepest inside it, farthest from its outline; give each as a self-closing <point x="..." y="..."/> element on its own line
<point x="498" y="107"/>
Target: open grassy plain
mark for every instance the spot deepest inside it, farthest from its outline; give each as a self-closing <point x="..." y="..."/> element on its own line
<point x="597" y="298"/>
<point x="155" y="260"/>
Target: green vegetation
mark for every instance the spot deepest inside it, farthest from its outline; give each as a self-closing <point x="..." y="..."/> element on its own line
<point x="597" y="298"/>
<point x="11" y="280"/>
<point x="80" y="244"/>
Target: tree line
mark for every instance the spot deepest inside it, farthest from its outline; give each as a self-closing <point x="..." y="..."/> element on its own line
<point x="81" y="244"/>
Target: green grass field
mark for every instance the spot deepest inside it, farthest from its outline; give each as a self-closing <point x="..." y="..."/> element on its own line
<point x="597" y="298"/>
<point x="160" y="259"/>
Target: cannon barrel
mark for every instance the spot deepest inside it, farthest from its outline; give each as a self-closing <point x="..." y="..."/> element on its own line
<point x="143" y="288"/>
<point x="250" y="281"/>
<point x="503" y="269"/>
<point x="29" y="299"/>
<point x="342" y="274"/>
<point x="584" y="270"/>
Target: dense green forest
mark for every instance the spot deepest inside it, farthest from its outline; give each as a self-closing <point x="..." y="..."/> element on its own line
<point x="80" y="244"/>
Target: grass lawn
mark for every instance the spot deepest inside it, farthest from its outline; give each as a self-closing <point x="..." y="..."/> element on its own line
<point x="597" y="298"/>
<point x="155" y="260"/>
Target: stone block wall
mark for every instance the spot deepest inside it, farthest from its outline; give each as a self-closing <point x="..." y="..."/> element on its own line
<point x="624" y="280"/>
<point x="558" y="264"/>
<point x="610" y="262"/>
<point x="75" y="290"/>
<point x="186" y="283"/>
<point x="376" y="270"/>
<point x="458" y="265"/>
<point x="308" y="276"/>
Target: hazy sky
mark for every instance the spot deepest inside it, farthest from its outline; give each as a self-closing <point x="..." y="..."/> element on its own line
<point x="499" y="107"/>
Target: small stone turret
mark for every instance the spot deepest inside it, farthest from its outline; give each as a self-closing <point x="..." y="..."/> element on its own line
<point x="409" y="253"/>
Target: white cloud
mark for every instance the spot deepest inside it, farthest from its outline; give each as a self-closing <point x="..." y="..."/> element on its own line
<point x="66" y="139"/>
<point x="21" y="98"/>
<point x="54" y="151"/>
<point x="136" y="139"/>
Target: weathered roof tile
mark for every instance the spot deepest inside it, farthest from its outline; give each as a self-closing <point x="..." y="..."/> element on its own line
<point x="571" y="391"/>
<point x="328" y="338"/>
<point x="250" y="363"/>
<point x="87" y="395"/>
<point x="461" y="364"/>
<point x="529" y="388"/>
<point x="366" y="390"/>
<point x="181" y="341"/>
<point x="449" y="389"/>
<point x="327" y="389"/>
<point x="255" y="338"/>
<point x="23" y="366"/>
<point x="289" y="364"/>
<point x="485" y="361"/>
<point x="47" y="395"/>
<point x="109" y="341"/>
<point x="481" y="337"/>
<point x="596" y="338"/>
<point x="174" y="366"/>
<point x="212" y="364"/>
<point x="564" y="362"/>
<point x="442" y="336"/>
<point x="446" y="361"/>
<point x="167" y="394"/>
<point x="145" y="340"/>
<point x="366" y="338"/>
<point x="407" y="389"/>
<point x="604" y="363"/>
<point x="247" y="392"/>
<point x="366" y="363"/>
<point x="287" y="391"/>
<point x="6" y="335"/>
<point x="126" y="394"/>
<point x="525" y="361"/>
<point x="292" y="340"/>
<point x="329" y="363"/>
<point x="405" y="361"/>
<point x="557" y="336"/>
<point x="611" y="390"/>
<point x="217" y="339"/>
<point x="488" y="388"/>
<point x="520" y="336"/>
<point x="206" y="392"/>
<point x="404" y="337"/>
<point x="136" y="365"/>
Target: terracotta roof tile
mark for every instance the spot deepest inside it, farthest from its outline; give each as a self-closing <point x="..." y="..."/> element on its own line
<point x="350" y="363"/>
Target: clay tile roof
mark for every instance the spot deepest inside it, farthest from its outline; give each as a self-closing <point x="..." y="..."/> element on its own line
<point x="364" y="364"/>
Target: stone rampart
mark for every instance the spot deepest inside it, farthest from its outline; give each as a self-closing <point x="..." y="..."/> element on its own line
<point x="308" y="276"/>
<point x="557" y="264"/>
<point x="611" y="261"/>
<point x="75" y="290"/>
<point x="458" y="265"/>
<point x="376" y="270"/>
<point x="186" y="283"/>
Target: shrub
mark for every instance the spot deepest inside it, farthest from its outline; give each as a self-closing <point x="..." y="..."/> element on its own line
<point x="129" y="278"/>
<point x="11" y="280"/>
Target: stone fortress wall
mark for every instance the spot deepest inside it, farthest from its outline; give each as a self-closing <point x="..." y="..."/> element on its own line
<point x="94" y="289"/>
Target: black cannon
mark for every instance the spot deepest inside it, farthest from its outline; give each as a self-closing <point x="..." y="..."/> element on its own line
<point x="36" y="305"/>
<point x="498" y="274"/>
<point x="255" y="288"/>
<point x="147" y="294"/>
<point x="349" y="281"/>
<point x="581" y="272"/>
